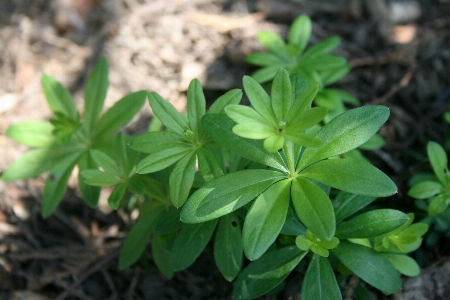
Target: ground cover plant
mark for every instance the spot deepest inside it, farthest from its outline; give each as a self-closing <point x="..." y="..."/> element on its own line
<point x="256" y="181"/>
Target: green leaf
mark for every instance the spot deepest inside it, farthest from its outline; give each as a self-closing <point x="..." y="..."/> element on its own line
<point x="273" y="143"/>
<point x="371" y="224"/>
<point x="190" y="243"/>
<point x="137" y="239"/>
<point x="425" y="189"/>
<point x="292" y="225"/>
<point x="300" y="32"/>
<point x="231" y="97"/>
<point x="169" y="222"/>
<point x="167" y="113"/>
<point x="37" y="161"/>
<point x="263" y="59"/>
<point x="281" y="95"/>
<point x="156" y="141"/>
<point x="438" y="205"/>
<point x="375" y="142"/>
<point x="265" y="74"/>
<point x="274" y="43"/>
<point x="320" y="282"/>
<point x="404" y="264"/>
<point x="323" y="62"/>
<point x="208" y="165"/>
<point x="226" y="194"/>
<point x="181" y="179"/>
<point x="438" y="160"/>
<point x="302" y="102"/>
<point x="58" y="97"/>
<point x="32" y="133"/>
<point x="321" y="48"/>
<point x="220" y="129"/>
<point x="95" y="93"/>
<point x="245" y="114"/>
<point x="346" y="204"/>
<point x="307" y="119"/>
<point x="334" y="75"/>
<point x="91" y="194"/>
<point x="195" y="105"/>
<point x="118" y="115"/>
<point x="265" y="219"/>
<point x="346" y="132"/>
<point x="98" y="178"/>
<point x="105" y="162"/>
<point x="117" y="195"/>
<point x="254" y="130"/>
<point x="259" y="99"/>
<point x="264" y="274"/>
<point x="56" y="183"/>
<point x="228" y="252"/>
<point x="313" y="207"/>
<point x="369" y="265"/>
<point x="352" y="176"/>
<point x="161" y="245"/>
<point x="162" y="159"/>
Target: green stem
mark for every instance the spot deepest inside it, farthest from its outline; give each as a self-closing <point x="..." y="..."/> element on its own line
<point x="288" y="150"/>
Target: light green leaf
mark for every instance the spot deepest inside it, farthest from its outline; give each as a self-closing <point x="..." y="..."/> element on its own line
<point x="181" y="179"/>
<point x="56" y="183"/>
<point x="371" y="224"/>
<point x="320" y="282"/>
<point x="300" y="32"/>
<point x="369" y="265"/>
<point x="259" y="99"/>
<point x="313" y="207"/>
<point x="190" y="243"/>
<point x="346" y="132"/>
<point x="307" y="119"/>
<point x="375" y="142"/>
<point x="321" y="48"/>
<point x="438" y="205"/>
<point x="404" y="264"/>
<point x="231" y="97"/>
<point x="244" y="114"/>
<point x="32" y="133"/>
<point x="58" y="97"/>
<point x="346" y="204"/>
<point x="105" y="162"/>
<point x="254" y="130"/>
<point x="117" y="195"/>
<point x="281" y="95"/>
<point x="438" y="160"/>
<point x="425" y="189"/>
<point x="228" y="252"/>
<point x="220" y="129"/>
<point x="137" y="239"/>
<point x="196" y="104"/>
<point x="302" y="139"/>
<point x="118" y="115"/>
<point x="167" y="113"/>
<point x="226" y="194"/>
<point x="273" y="143"/>
<point x="267" y="73"/>
<point x="265" y="219"/>
<point x="352" y="176"/>
<point x="274" y="43"/>
<point x="264" y="274"/>
<point x="162" y="159"/>
<point x="98" y="178"/>
<point x="263" y="59"/>
<point x="95" y="93"/>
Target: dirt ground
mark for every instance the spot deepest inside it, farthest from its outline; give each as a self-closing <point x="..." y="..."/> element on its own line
<point x="400" y="54"/>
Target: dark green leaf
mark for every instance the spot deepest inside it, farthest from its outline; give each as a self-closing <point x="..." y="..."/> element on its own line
<point x="155" y="141"/>
<point x="120" y="113"/>
<point x="190" y="243"/>
<point x="208" y="165"/>
<point x="370" y="265"/>
<point x="161" y="245"/>
<point x="169" y="222"/>
<point x="195" y="106"/>
<point x="117" y="195"/>
<point x="292" y="225"/>
<point x="228" y="252"/>
<point x="230" y="97"/>
<point x="265" y="219"/>
<point x="220" y="129"/>
<point x="167" y="113"/>
<point x="181" y="179"/>
<point x="226" y="194"/>
<point x="95" y="93"/>
<point x="90" y="193"/>
<point x="162" y="159"/>
<point x="314" y="208"/>
<point x="320" y="282"/>
<point x="352" y="176"/>
<point x="58" y="97"/>
<point x="105" y="162"/>
<point x="438" y="160"/>
<point x="371" y="224"/>
<point x="32" y="133"/>
<point x="264" y="274"/>
<point x="346" y="204"/>
<point x="137" y="239"/>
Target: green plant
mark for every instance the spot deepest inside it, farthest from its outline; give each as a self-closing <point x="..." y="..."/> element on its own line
<point x="68" y="140"/>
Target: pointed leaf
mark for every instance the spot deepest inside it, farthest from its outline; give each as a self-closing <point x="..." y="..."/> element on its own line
<point x="95" y="93"/>
<point x="302" y="102"/>
<point x="265" y="219"/>
<point x="220" y="129"/>
<point x="281" y="95"/>
<point x="58" y="97"/>
<point x="263" y="59"/>
<point x="181" y="179"/>
<point x="259" y="99"/>
<point x="370" y="265"/>
<point x="307" y="119"/>
<point x="438" y="160"/>
<point x="161" y="160"/>
<point x="352" y="176"/>
<point x="161" y="254"/>
<point x="90" y="193"/>
<point x="320" y="282"/>
<point x="244" y="114"/>
<point x="167" y="113"/>
<point x="98" y="178"/>
<point x="346" y="204"/>
<point x="321" y="48"/>
<point x="425" y="189"/>
<point x="151" y="142"/>
<point x="208" y="165"/>
<point x="228" y="252"/>
<point x="264" y="274"/>
<point x="274" y="43"/>
<point x="190" y="243"/>
<point x="117" y="195"/>
<point x="226" y="194"/>
<point x="267" y="73"/>
<point x="105" y="162"/>
<point x="32" y="133"/>
<point x="300" y="32"/>
<point x="231" y="97"/>
<point x="195" y="105"/>
<point x="169" y="222"/>
<point x="404" y="264"/>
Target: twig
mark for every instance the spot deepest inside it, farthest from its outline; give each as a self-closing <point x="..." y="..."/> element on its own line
<point x="133" y="284"/>
<point x="395" y="88"/>
<point x="88" y="273"/>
